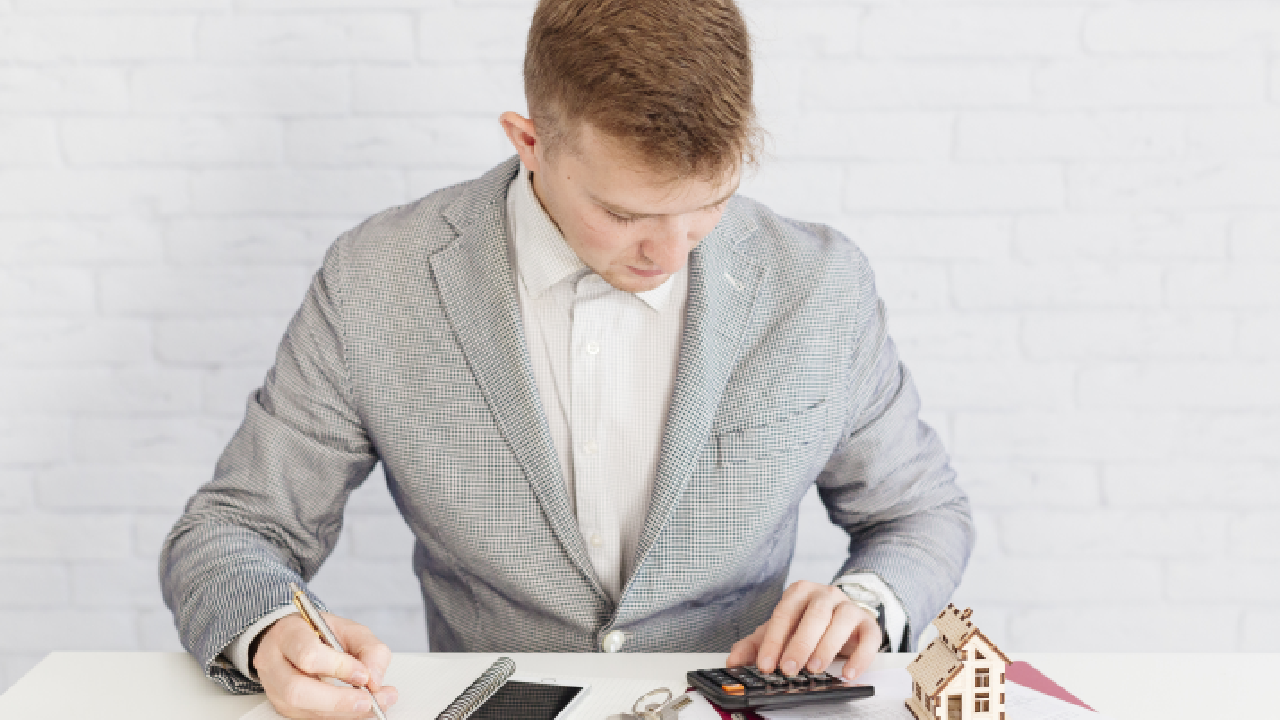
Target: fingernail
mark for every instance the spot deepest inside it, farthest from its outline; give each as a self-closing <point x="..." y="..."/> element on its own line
<point x="789" y="667"/>
<point x="815" y="665"/>
<point x="361" y="705"/>
<point x="764" y="661"/>
<point x="850" y="673"/>
<point x="359" y="678"/>
<point x="388" y="698"/>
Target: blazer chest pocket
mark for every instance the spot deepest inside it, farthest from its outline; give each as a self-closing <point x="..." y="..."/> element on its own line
<point x="788" y="434"/>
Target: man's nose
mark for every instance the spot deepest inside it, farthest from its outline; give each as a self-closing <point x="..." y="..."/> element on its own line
<point x="669" y="246"/>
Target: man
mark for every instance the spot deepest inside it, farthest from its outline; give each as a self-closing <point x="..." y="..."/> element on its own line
<point x="599" y="384"/>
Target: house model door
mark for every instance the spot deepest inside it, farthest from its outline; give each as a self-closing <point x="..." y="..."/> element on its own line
<point x="953" y="707"/>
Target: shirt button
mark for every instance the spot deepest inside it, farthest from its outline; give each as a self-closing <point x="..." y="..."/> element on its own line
<point x="612" y="642"/>
<point x="596" y="540"/>
<point x="592" y="348"/>
<point x="589" y="448"/>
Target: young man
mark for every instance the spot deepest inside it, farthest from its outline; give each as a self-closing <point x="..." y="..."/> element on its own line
<point x="599" y="384"/>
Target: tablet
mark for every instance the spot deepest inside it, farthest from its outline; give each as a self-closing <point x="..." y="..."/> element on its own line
<point x="531" y="698"/>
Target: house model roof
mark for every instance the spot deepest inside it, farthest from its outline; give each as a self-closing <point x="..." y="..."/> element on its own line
<point x="934" y="667"/>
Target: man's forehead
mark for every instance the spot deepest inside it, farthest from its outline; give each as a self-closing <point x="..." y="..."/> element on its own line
<point x="619" y="178"/>
<point x="640" y="203"/>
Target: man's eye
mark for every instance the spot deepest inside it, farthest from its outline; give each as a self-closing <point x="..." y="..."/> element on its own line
<point x="621" y="219"/>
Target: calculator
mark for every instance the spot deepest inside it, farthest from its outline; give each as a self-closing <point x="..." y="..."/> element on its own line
<point x="739" y="688"/>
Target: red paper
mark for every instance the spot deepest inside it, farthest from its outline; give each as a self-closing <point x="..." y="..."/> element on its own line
<point x="1027" y="676"/>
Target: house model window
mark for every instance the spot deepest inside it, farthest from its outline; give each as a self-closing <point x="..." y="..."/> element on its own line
<point x="955" y="687"/>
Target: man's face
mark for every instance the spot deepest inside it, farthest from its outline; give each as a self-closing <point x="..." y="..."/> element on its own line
<point x="630" y="224"/>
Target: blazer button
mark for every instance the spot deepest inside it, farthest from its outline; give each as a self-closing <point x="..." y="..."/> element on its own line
<point x="612" y="642"/>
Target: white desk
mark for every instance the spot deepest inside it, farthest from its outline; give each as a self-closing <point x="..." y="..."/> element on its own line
<point x="141" y="686"/>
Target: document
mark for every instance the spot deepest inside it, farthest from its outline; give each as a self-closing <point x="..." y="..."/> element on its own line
<point x="428" y="684"/>
<point x="893" y="687"/>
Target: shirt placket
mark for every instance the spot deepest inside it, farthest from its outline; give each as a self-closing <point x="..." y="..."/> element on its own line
<point x="596" y="518"/>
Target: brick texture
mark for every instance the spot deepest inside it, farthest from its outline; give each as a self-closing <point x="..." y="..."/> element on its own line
<point x="1071" y="207"/>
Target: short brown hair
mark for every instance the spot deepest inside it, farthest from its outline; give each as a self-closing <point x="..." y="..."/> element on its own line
<point x="670" y="78"/>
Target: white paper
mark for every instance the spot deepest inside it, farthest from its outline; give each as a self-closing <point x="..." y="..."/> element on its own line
<point x="893" y="687"/>
<point x="615" y="695"/>
<point x="1023" y="702"/>
<point x="428" y="684"/>
<point x="699" y="709"/>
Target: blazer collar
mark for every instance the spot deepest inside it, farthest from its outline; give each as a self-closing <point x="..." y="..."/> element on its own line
<point x="476" y="281"/>
<point x="723" y="286"/>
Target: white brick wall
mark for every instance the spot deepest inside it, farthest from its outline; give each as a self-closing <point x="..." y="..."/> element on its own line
<point x="1073" y="208"/>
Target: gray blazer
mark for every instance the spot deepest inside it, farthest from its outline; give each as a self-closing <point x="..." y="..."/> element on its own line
<point x="408" y="349"/>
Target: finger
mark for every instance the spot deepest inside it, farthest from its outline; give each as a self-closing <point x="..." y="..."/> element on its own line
<point x="864" y="651"/>
<point x="387" y="696"/>
<point x="365" y="646"/>
<point x="813" y="624"/>
<point x="305" y="651"/>
<point x="745" y="650"/>
<point x="844" y="621"/>
<point x="309" y="695"/>
<point x="786" y="615"/>
<point x="777" y="630"/>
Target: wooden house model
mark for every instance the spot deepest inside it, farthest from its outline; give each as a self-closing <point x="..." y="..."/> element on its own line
<point x="960" y="675"/>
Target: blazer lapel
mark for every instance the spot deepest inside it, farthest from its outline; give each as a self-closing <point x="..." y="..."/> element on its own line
<point x="723" y="285"/>
<point x="475" y="278"/>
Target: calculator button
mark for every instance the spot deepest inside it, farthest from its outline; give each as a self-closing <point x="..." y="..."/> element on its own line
<point x="774" y="680"/>
<point x="748" y="679"/>
<point x="724" y="680"/>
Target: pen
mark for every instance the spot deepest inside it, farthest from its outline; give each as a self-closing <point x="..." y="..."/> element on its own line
<point x="317" y="623"/>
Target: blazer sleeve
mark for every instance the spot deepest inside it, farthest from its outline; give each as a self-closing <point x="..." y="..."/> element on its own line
<point x="273" y="510"/>
<point x="889" y="483"/>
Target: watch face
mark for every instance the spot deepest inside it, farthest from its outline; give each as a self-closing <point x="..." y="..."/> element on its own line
<point x="857" y="593"/>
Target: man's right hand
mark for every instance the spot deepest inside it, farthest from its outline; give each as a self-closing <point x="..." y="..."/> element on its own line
<point x="290" y="659"/>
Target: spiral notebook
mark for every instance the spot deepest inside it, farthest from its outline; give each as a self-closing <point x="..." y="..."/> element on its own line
<point x="429" y="683"/>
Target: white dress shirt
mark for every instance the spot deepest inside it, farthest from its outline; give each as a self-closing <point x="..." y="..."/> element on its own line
<point x="605" y="364"/>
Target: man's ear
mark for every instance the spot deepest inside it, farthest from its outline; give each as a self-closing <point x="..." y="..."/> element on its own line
<point x="523" y="136"/>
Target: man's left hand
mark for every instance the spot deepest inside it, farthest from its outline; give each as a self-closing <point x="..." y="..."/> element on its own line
<point x="811" y="625"/>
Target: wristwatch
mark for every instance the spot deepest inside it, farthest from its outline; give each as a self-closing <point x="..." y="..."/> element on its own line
<point x="870" y="601"/>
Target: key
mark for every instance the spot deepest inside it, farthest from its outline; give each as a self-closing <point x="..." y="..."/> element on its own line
<point x="671" y="711"/>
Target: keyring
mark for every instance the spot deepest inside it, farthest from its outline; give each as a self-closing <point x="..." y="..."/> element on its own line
<point x="636" y="709"/>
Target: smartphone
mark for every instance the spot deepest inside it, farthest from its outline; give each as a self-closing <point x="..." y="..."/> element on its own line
<point x="529" y="698"/>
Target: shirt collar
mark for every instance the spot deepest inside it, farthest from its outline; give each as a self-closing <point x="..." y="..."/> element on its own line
<point x="542" y="255"/>
<point x="544" y="258"/>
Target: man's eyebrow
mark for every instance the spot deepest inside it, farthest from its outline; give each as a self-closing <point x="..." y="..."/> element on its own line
<point x="631" y="213"/>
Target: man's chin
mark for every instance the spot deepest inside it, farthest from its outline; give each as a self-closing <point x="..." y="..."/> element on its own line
<point x="635" y="284"/>
<point x="632" y="282"/>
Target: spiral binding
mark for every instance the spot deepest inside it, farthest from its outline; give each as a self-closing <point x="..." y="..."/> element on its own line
<point x="479" y="691"/>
